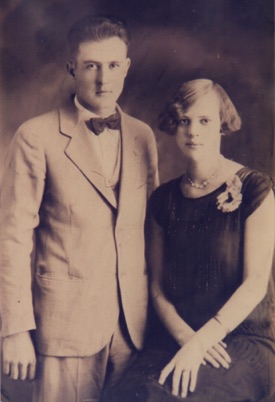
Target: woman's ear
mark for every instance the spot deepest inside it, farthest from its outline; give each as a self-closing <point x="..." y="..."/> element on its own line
<point x="70" y="68"/>
<point x="223" y="129"/>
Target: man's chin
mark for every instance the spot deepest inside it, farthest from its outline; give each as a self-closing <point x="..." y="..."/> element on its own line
<point x="104" y="108"/>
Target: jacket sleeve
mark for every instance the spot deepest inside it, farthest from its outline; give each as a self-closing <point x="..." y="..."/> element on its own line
<point x="153" y="174"/>
<point x="20" y="198"/>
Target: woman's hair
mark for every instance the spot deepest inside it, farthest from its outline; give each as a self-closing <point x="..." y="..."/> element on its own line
<point x="92" y="28"/>
<point x="187" y="94"/>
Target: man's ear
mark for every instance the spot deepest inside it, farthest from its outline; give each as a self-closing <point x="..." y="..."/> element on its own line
<point x="127" y="65"/>
<point x="70" y="68"/>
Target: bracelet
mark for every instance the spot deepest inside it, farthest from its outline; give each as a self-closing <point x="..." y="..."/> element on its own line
<point x="217" y="318"/>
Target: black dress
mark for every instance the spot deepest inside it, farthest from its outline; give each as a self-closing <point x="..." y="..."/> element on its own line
<point x="204" y="248"/>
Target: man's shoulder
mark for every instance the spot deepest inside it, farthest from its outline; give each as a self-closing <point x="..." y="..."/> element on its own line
<point x="41" y="121"/>
<point x="39" y="129"/>
<point x="49" y="118"/>
<point x="135" y="121"/>
<point x="136" y="127"/>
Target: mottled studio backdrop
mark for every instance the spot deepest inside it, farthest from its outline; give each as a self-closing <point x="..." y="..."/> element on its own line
<point x="230" y="41"/>
<point x="175" y="40"/>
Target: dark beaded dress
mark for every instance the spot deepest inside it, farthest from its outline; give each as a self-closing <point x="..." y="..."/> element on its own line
<point x="204" y="248"/>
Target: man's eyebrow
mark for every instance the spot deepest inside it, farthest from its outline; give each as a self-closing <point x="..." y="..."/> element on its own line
<point x="90" y="61"/>
<point x="104" y="62"/>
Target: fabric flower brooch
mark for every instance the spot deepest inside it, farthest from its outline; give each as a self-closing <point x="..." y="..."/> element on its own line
<point x="231" y="198"/>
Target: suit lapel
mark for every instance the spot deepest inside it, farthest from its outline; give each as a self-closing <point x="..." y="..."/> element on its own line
<point x="131" y="169"/>
<point x="81" y="152"/>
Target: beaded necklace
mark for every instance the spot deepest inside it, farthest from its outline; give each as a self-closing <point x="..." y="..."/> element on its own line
<point x="205" y="182"/>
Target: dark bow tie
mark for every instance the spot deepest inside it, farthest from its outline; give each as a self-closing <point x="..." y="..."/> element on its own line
<point x="98" y="124"/>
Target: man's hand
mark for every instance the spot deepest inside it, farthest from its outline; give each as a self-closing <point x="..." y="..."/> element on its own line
<point x="19" y="360"/>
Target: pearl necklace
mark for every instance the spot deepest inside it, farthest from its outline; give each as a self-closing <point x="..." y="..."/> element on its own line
<point x="205" y="182"/>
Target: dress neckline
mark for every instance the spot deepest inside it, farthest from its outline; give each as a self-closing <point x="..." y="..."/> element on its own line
<point x="216" y="190"/>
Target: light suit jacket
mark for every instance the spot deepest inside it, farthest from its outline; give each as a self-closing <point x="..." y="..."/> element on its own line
<point x="89" y="247"/>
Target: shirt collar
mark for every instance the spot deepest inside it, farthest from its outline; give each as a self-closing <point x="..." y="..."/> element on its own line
<point x="85" y="114"/>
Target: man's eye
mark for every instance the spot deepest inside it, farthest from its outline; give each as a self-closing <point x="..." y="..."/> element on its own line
<point x="204" y="121"/>
<point x="114" y="65"/>
<point x="183" y="122"/>
<point x="91" y="66"/>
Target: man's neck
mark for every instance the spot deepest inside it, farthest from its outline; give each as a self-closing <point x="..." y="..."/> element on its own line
<point x="81" y="105"/>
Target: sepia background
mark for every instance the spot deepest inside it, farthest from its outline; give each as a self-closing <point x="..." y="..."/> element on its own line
<point x="172" y="41"/>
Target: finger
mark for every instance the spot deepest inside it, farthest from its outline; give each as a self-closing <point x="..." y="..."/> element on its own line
<point x="176" y="381"/>
<point x="223" y="344"/>
<point x="22" y="371"/>
<point x="185" y="383"/>
<point x="203" y="362"/>
<point x="193" y="379"/>
<point x="6" y="368"/>
<point x="223" y="353"/>
<point x="219" y="359"/>
<point x="211" y="360"/>
<point x="14" y="371"/>
<point x="32" y="371"/>
<point x="165" y="372"/>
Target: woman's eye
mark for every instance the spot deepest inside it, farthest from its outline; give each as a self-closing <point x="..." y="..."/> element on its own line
<point x="204" y="121"/>
<point x="183" y="122"/>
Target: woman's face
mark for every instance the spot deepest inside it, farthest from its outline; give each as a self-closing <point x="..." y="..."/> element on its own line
<point x="198" y="134"/>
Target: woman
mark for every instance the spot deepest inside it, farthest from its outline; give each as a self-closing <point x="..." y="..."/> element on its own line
<point x="210" y="255"/>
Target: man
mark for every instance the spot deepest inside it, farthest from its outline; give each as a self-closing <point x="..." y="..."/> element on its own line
<point x="82" y="184"/>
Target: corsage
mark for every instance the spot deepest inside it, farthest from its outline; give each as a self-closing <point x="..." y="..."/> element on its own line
<point x="231" y="198"/>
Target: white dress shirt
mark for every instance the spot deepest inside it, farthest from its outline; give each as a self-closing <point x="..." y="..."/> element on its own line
<point x="108" y="148"/>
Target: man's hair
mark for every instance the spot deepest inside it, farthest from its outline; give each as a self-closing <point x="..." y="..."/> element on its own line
<point x="187" y="94"/>
<point x="92" y="28"/>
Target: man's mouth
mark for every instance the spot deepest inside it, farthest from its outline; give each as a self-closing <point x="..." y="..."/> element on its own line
<point x="103" y="92"/>
<point x="193" y="144"/>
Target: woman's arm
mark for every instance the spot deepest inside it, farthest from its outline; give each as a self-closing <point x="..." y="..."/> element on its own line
<point x="258" y="252"/>
<point x="176" y="326"/>
<point x="179" y="330"/>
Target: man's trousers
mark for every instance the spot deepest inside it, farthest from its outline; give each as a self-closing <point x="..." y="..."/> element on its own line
<point x="82" y="379"/>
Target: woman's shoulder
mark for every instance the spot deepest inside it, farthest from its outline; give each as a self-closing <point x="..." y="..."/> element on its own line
<point x="256" y="186"/>
<point x="250" y="178"/>
<point x="167" y="187"/>
<point x="161" y="198"/>
<point x="253" y="179"/>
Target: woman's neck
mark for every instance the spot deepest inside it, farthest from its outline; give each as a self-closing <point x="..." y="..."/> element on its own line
<point x="204" y="176"/>
<point x="199" y="171"/>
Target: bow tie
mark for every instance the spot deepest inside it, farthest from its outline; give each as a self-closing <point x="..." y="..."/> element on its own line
<point x="98" y="124"/>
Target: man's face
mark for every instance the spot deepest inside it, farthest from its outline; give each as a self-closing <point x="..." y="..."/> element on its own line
<point x="99" y="70"/>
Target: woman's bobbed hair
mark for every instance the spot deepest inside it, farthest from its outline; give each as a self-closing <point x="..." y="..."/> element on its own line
<point x="187" y="94"/>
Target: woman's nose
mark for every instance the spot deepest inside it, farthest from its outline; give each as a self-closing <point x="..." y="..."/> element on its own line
<point x="192" y="131"/>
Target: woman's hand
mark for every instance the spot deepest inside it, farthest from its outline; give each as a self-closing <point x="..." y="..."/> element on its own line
<point x="186" y="363"/>
<point x="185" y="366"/>
<point x="217" y="356"/>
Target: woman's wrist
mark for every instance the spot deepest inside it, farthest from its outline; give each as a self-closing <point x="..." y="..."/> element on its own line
<point x="210" y="334"/>
<point x="219" y="320"/>
<point x="184" y="336"/>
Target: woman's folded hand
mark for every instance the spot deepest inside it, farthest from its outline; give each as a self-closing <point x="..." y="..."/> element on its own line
<point x="184" y="368"/>
<point x="185" y="365"/>
<point x="218" y="356"/>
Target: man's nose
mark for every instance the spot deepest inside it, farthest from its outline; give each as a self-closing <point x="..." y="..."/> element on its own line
<point x="103" y="75"/>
